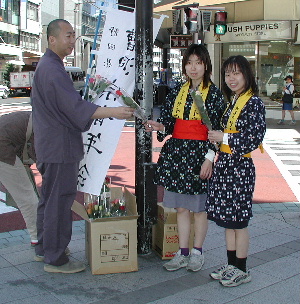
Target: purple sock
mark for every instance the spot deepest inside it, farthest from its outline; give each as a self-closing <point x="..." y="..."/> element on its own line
<point x="199" y="249"/>
<point x="185" y="251"/>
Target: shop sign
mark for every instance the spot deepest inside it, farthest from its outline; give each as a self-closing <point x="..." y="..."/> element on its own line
<point x="180" y="41"/>
<point x="252" y="31"/>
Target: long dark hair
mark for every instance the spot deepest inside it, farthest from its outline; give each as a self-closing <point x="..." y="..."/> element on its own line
<point x="234" y="63"/>
<point x="201" y="52"/>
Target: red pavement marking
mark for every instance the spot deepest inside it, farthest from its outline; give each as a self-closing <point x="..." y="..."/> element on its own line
<point x="270" y="187"/>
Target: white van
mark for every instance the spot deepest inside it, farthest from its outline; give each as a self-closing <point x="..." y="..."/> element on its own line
<point x="77" y="76"/>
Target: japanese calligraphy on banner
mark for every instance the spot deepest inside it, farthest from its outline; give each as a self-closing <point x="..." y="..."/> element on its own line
<point x="116" y="62"/>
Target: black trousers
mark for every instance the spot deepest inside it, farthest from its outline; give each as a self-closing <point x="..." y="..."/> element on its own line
<point x="54" y="215"/>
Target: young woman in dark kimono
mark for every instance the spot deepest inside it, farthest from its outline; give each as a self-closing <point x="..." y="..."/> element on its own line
<point x="231" y="188"/>
<point x="185" y="162"/>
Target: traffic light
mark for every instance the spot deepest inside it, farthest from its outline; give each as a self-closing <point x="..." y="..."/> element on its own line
<point x="192" y="19"/>
<point x="220" y="23"/>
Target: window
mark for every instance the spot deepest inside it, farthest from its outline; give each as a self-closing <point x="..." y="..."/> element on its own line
<point x="29" y="41"/>
<point x="32" y="11"/>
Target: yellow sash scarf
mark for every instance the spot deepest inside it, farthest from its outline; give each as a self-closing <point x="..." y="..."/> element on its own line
<point x="236" y="111"/>
<point x="234" y="115"/>
<point x="180" y="101"/>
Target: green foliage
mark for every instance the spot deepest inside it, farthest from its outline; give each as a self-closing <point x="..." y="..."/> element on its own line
<point x="6" y="74"/>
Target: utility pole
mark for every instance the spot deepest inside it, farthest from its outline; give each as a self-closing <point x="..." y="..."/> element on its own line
<point x="145" y="190"/>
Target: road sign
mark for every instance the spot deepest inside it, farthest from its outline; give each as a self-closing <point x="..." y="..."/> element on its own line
<point x="180" y="41"/>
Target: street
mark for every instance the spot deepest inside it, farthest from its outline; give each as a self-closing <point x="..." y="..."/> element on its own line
<point x="278" y="170"/>
<point x="19" y="100"/>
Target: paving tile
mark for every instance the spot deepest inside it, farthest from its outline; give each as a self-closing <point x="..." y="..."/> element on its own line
<point x="38" y="299"/>
<point x="277" y="293"/>
<point x="16" y="258"/>
<point x="15" y="290"/>
<point x="211" y="293"/>
<point x="4" y="262"/>
<point x="11" y="273"/>
<point x="282" y="268"/>
<point x="266" y="255"/>
<point x="4" y="235"/>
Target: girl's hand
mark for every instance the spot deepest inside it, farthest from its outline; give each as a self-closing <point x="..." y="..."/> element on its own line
<point x="215" y="136"/>
<point x="152" y="125"/>
<point x="206" y="169"/>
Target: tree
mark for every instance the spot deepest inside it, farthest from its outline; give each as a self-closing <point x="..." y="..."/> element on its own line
<point x="6" y="74"/>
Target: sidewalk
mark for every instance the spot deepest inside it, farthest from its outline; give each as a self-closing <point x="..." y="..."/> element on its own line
<point x="273" y="262"/>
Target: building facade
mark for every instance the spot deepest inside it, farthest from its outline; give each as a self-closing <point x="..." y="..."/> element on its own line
<point x="264" y="31"/>
<point x="20" y="34"/>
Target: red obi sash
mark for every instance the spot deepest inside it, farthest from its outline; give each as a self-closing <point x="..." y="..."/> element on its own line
<point x="190" y="129"/>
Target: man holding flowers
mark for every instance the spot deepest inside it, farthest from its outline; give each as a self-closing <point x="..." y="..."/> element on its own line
<point x="59" y="118"/>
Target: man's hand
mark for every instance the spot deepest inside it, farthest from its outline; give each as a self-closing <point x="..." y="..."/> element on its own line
<point x="117" y="112"/>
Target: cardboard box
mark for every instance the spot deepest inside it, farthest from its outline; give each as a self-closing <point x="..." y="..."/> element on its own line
<point x="165" y="233"/>
<point x="111" y="243"/>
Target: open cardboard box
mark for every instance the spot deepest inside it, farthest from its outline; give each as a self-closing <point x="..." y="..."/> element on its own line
<point x="111" y="243"/>
<point x="165" y="233"/>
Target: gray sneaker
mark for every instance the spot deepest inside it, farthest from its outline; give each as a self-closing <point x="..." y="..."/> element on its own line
<point x="70" y="267"/>
<point x="179" y="261"/>
<point x="220" y="272"/>
<point x="196" y="260"/>
<point x="281" y="122"/>
<point x="235" y="277"/>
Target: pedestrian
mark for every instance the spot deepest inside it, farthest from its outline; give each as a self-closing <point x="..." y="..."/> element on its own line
<point x="60" y="116"/>
<point x="185" y="162"/>
<point x="15" y="134"/>
<point x="229" y="202"/>
<point x="287" y="100"/>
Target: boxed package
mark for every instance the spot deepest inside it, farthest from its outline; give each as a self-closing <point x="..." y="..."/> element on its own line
<point x="111" y="242"/>
<point x="165" y="234"/>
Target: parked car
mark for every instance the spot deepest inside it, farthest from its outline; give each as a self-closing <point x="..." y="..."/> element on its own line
<point x="4" y="91"/>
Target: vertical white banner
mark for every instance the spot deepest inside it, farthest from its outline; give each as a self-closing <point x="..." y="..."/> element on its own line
<point x="116" y="62"/>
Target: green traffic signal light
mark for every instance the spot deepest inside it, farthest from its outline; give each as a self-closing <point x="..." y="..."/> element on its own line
<point x="220" y="29"/>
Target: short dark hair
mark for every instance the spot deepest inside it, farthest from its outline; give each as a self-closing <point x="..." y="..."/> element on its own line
<point x="290" y="77"/>
<point x="238" y="62"/>
<point x="53" y="28"/>
<point x="202" y="53"/>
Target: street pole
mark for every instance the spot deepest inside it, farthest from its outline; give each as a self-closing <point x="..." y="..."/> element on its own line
<point x="145" y="190"/>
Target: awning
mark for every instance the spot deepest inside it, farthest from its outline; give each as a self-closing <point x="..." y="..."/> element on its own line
<point x="16" y="62"/>
<point x="168" y="7"/>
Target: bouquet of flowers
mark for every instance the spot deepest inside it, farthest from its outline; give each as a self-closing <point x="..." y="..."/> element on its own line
<point x="95" y="87"/>
<point x="196" y="95"/>
<point x="99" y="84"/>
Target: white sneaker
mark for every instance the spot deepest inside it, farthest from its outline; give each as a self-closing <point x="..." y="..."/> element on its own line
<point x="196" y="260"/>
<point x="235" y="277"/>
<point x="220" y="272"/>
<point x="179" y="261"/>
<point x="281" y="122"/>
<point x="293" y="122"/>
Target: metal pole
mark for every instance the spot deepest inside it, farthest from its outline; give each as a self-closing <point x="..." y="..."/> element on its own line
<point x="144" y="188"/>
<point x="92" y="56"/>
